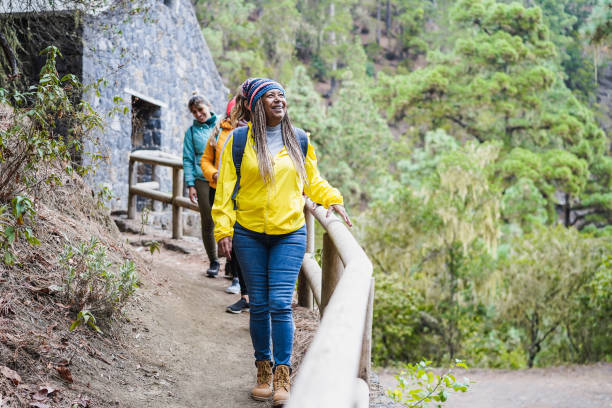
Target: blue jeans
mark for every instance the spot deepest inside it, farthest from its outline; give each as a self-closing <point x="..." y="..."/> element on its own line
<point x="270" y="266"/>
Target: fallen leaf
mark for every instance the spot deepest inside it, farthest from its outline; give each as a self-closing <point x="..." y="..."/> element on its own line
<point x="11" y="375"/>
<point x="43" y="393"/>
<point x="65" y="373"/>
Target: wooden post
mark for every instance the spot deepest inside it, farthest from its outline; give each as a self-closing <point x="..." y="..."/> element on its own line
<point x="332" y="267"/>
<point x="303" y="291"/>
<point x="310" y="231"/>
<point x="131" y="197"/>
<point x="177" y="191"/>
<point x="157" y="206"/>
<point x="305" y="298"/>
<point x="365" y="364"/>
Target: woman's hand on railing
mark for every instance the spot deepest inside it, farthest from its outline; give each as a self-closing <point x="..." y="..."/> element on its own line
<point x="193" y="194"/>
<point x="225" y="247"/>
<point x="341" y="211"/>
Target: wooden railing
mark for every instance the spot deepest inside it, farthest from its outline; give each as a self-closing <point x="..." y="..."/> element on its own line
<point x="150" y="189"/>
<point x="336" y="369"/>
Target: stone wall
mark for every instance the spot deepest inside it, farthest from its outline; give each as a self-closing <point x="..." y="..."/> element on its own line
<point x="159" y="57"/>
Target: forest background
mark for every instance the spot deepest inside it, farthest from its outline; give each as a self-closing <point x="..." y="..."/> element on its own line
<point x="470" y="140"/>
<point x="469" y="143"/>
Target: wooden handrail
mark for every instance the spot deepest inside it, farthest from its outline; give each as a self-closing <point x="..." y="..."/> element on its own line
<point x="151" y="189"/>
<point x="336" y="369"/>
<point x="340" y="351"/>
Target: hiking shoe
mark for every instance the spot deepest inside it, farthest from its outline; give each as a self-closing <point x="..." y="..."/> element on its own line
<point x="213" y="269"/>
<point x="282" y="385"/>
<point x="263" y="390"/>
<point x="234" y="288"/>
<point x="238" y="307"/>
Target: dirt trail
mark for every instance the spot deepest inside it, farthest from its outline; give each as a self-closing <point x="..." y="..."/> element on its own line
<point x="558" y="387"/>
<point x="187" y="351"/>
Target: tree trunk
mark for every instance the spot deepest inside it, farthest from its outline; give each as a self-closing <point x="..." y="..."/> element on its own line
<point x="388" y="19"/>
<point x="378" y="15"/>
<point x="453" y="330"/>
<point x="534" y="347"/>
<point x="567" y="210"/>
<point x="332" y="43"/>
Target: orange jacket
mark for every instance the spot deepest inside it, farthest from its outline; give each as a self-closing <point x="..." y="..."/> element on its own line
<point x="211" y="158"/>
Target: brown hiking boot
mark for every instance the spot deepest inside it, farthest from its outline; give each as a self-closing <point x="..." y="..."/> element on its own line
<point x="282" y="378"/>
<point x="263" y="390"/>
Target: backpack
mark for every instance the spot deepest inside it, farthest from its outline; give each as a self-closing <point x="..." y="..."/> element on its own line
<point x="239" y="143"/>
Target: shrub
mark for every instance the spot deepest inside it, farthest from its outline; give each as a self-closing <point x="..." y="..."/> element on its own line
<point x="46" y="129"/>
<point x="419" y="386"/>
<point x="90" y="286"/>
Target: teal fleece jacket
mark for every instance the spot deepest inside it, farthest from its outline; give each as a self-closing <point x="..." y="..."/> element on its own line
<point x="194" y="144"/>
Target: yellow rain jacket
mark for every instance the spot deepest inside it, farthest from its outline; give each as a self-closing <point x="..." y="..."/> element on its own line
<point x="273" y="209"/>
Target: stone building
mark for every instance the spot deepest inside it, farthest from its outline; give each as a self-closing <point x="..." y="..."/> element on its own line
<point x="147" y="56"/>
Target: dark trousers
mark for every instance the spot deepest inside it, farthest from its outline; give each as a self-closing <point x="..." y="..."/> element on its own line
<point x="208" y="237"/>
<point x="233" y="265"/>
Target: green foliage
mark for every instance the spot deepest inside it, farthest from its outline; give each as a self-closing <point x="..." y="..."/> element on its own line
<point x="396" y="333"/>
<point x="589" y="326"/>
<point x="355" y="132"/>
<point x="90" y="285"/>
<point x="485" y="146"/>
<point x="305" y="103"/>
<point x="15" y="225"/>
<point x="47" y="126"/>
<point x="599" y="26"/>
<point x="439" y="234"/>
<point x="542" y="277"/>
<point x="419" y="386"/>
<point x="154" y="246"/>
<point x="499" y="84"/>
<point x="85" y="317"/>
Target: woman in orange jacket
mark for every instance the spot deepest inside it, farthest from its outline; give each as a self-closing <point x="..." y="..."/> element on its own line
<point x="236" y="115"/>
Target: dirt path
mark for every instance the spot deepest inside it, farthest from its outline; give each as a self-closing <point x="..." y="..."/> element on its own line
<point x="558" y="387"/>
<point x="181" y="349"/>
<point x="187" y="350"/>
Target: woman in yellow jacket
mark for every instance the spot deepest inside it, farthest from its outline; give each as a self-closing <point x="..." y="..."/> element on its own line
<point x="264" y="223"/>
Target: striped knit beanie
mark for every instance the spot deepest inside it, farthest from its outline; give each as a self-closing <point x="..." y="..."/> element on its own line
<point x="255" y="88"/>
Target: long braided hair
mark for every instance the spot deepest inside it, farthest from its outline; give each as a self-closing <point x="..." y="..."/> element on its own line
<point x="264" y="158"/>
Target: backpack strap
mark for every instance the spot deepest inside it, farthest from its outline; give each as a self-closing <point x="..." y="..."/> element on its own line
<point x="302" y="138"/>
<point x="238" y="144"/>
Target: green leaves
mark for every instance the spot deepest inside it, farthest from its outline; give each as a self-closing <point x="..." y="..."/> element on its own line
<point x="15" y="226"/>
<point x="22" y="206"/>
<point x="85" y="317"/>
<point x="542" y="277"/>
<point x="91" y="283"/>
<point x="418" y="385"/>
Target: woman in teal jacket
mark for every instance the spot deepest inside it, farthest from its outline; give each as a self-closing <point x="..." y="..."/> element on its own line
<point x="196" y="137"/>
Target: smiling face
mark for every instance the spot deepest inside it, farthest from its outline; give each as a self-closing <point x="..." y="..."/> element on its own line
<point x="275" y="106"/>
<point x="201" y="112"/>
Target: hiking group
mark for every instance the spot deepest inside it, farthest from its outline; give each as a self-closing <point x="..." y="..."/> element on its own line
<point x="249" y="173"/>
